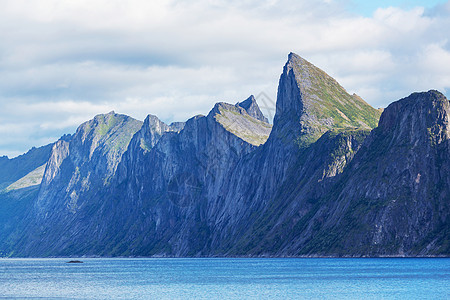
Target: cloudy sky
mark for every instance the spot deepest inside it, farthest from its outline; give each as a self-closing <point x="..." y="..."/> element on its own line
<point x="62" y="62"/>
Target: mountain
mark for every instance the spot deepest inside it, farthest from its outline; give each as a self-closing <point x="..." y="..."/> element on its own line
<point x="293" y="161"/>
<point x="79" y="166"/>
<point x="329" y="178"/>
<point x="310" y="103"/>
<point x="14" y="169"/>
<point x="94" y="199"/>
<point x="20" y="178"/>
<point x="386" y="195"/>
<point x="394" y="197"/>
<point x="85" y="162"/>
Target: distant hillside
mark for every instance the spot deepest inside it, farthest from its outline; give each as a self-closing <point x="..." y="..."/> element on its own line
<point x="13" y="169"/>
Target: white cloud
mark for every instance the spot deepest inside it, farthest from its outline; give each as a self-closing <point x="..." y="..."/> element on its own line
<point x="62" y="62"/>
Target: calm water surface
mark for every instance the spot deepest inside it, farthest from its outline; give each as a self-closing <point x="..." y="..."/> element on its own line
<point x="172" y="278"/>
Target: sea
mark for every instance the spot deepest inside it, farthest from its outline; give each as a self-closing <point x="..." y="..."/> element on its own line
<point x="226" y="278"/>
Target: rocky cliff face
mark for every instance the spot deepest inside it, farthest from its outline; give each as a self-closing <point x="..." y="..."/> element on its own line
<point x="322" y="181"/>
<point x="380" y="202"/>
<point x="151" y="204"/>
<point x="394" y="198"/>
<point x="258" y="193"/>
<point x="310" y="103"/>
<point x="79" y="167"/>
<point x="176" y="186"/>
<point x="85" y="161"/>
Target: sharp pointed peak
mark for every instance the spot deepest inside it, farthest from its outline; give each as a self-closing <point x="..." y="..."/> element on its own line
<point x="150" y="118"/>
<point x="294" y="58"/>
<point x="153" y="122"/>
<point x="252" y="108"/>
<point x="302" y="67"/>
<point x="310" y="102"/>
<point x="247" y="102"/>
<point x="293" y="55"/>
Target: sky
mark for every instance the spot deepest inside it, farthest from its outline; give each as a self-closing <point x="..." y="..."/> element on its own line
<point x="63" y="62"/>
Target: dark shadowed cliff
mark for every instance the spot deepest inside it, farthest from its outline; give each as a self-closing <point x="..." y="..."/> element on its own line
<point x="394" y="198"/>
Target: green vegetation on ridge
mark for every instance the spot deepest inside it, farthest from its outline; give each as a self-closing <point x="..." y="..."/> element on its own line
<point x="326" y="104"/>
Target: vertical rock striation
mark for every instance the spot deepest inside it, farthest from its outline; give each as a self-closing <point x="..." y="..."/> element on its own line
<point x="80" y="166"/>
<point x="276" y="181"/>
<point x="394" y="199"/>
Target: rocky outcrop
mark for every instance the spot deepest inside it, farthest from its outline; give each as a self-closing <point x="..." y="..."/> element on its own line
<point x="384" y="195"/>
<point x="176" y="185"/>
<point x="245" y="120"/>
<point x="292" y="166"/>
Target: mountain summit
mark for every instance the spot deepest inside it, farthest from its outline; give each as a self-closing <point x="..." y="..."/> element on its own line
<point x="310" y="102"/>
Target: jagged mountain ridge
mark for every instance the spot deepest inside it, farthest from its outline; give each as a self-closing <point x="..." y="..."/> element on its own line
<point x="255" y="195"/>
<point x="213" y="186"/>
<point x="157" y="157"/>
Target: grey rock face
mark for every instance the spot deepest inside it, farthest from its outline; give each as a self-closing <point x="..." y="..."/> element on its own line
<point x="255" y="194"/>
<point x="175" y="187"/>
<point x="79" y="167"/>
<point x="252" y="108"/>
<point x="248" y="123"/>
<point x="277" y="228"/>
<point x="397" y="187"/>
<point x="86" y="160"/>
<point x="316" y="102"/>
<point x="162" y="178"/>
<point x="281" y="176"/>
<point x="381" y="203"/>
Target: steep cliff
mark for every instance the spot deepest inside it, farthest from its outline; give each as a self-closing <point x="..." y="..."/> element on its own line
<point x="310" y="103"/>
<point x="79" y="167"/>
<point x="175" y="187"/>
<point x="85" y="161"/>
<point x="394" y="198"/>
<point x="150" y="203"/>
<point x="259" y="194"/>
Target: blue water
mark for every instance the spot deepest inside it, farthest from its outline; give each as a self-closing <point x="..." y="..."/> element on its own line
<point x="161" y="278"/>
